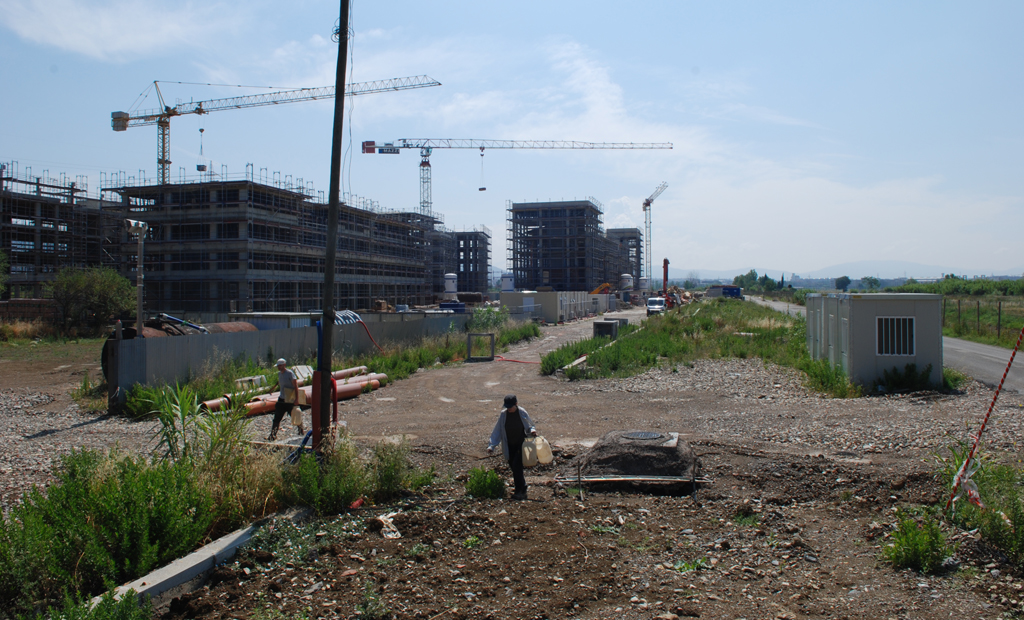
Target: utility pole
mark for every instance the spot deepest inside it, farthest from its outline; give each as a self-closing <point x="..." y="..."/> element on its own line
<point x="323" y="424"/>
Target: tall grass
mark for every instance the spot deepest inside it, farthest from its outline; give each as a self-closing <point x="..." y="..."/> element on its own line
<point x="1001" y="520"/>
<point x="719" y="328"/>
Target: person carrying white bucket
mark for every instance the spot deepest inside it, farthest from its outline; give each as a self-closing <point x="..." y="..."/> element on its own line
<point x="511" y="430"/>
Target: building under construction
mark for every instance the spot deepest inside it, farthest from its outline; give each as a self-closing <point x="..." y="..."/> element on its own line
<point x="238" y="245"/>
<point x="562" y="245"/>
<point x="46" y="224"/>
<point x="473" y="256"/>
<point x="633" y="241"/>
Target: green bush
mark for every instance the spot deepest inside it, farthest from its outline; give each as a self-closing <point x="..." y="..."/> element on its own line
<point x="106" y="520"/>
<point x="389" y="469"/>
<point x="329" y="488"/>
<point x="909" y="379"/>
<point x="953" y="379"/>
<point x="485" y="483"/>
<point x="921" y="547"/>
<point x="824" y="377"/>
<point x="108" y="608"/>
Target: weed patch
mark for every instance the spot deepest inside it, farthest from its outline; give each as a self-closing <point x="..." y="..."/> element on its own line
<point x="918" y="546"/>
<point x="485" y="483"/>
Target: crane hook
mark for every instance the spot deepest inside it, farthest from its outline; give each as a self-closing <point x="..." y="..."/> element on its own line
<point x="482" y="187"/>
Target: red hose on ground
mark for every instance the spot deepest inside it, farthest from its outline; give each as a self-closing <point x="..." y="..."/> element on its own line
<point x="502" y="359"/>
<point x="977" y="440"/>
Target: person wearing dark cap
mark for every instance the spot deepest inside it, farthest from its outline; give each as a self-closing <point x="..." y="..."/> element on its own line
<point x="514" y="424"/>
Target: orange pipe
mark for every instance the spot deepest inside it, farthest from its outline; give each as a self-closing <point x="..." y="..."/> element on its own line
<point x="266" y="403"/>
<point x="216" y="404"/>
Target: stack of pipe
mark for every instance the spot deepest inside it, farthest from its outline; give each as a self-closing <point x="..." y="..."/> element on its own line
<point x="351" y="383"/>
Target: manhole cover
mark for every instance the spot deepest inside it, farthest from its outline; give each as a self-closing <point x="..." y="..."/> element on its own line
<point x="643" y="435"/>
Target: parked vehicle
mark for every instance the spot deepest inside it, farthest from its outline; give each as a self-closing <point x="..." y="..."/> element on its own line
<point x="724" y="290"/>
<point x="655" y="305"/>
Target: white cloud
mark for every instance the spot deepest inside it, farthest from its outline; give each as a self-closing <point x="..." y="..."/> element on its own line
<point x="116" y="30"/>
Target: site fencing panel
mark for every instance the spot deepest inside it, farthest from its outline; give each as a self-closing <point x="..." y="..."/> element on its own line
<point x="176" y="359"/>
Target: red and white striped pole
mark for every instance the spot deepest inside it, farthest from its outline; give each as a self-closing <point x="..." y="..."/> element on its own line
<point x="958" y="479"/>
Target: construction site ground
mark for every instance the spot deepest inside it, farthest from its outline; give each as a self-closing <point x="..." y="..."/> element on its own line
<point x="802" y="496"/>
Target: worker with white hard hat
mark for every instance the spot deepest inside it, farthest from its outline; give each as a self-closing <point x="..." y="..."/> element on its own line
<point x="286" y="399"/>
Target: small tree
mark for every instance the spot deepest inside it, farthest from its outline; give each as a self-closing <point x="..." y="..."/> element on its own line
<point x="92" y="295"/>
<point x="843" y="283"/>
<point x="871" y="283"/>
<point x="5" y="268"/>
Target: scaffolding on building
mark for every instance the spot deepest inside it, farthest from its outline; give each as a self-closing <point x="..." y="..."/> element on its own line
<point x="561" y="246"/>
<point x="473" y="258"/>
<point x="46" y="224"/>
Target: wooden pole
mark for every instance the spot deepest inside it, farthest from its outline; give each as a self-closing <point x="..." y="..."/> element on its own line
<point x="958" y="320"/>
<point x="334" y="198"/>
<point x="943" y="311"/>
<point x="999" y="321"/>
<point x="977" y="328"/>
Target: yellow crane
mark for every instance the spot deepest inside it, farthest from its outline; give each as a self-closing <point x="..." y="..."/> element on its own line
<point x="161" y="117"/>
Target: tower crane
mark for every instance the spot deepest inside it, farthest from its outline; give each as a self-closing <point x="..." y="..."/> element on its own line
<point x="161" y="117"/>
<point x="427" y="145"/>
<point x="647" y="226"/>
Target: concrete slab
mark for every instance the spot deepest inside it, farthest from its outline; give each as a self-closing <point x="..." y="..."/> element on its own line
<point x="198" y="562"/>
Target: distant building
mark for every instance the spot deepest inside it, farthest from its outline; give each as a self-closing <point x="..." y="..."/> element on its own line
<point x="45" y="225"/>
<point x="632" y="240"/>
<point x="473" y="259"/>
<point x="562" y="245"/>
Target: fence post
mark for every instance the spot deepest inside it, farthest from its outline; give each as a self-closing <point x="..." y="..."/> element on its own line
<point x="999" y="321"/>
<point x="943" y="311"/>
<point x="958" y="321"/>
<point x="977" y="329"/>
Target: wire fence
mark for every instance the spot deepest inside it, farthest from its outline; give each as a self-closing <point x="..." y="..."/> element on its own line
<point x="993" y="320"/>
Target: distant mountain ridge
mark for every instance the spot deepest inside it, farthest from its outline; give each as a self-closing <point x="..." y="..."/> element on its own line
<point x="855" y="270"/>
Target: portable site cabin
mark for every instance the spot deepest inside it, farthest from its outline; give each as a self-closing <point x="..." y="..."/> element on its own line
<point x="868" y="334"/>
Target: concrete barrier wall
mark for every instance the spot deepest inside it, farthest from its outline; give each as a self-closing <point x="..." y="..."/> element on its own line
<point x="176" y="359"/>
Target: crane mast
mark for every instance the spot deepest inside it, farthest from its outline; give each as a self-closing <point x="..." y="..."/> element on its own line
<point x="161" y="117"/>
<point x="647" y="228"/>
<point x="427" y="145"/>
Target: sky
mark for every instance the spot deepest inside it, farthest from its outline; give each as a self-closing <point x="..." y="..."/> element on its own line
<point x="805" y="134"/>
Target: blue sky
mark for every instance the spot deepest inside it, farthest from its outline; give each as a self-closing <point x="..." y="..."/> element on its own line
<point x="806" y="134"/>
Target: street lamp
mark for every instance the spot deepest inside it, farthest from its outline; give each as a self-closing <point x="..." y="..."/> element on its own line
<point x="139" y="229"/>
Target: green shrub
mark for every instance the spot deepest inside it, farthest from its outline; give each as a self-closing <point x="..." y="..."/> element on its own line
<point x="485" y="483"/>
<point x="107" y="519"/>
<point x="909" y="379"/>
<point x="372" y="606"/>
<point x="824" y="377"/>
<point x="389" y="469"/>
<point x="921" y="547"/>
<point x="332" y="487"/>
<point x="108" y="608"/>
<point x="953" y="379"/>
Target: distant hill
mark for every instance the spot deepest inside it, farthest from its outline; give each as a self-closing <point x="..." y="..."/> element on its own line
<point x="881" y="269"/>
<point x="884" y="269"/>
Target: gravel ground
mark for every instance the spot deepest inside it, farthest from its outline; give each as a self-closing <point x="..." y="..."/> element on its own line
<point x="769" y="404"/>
<point x="37" y="428"/>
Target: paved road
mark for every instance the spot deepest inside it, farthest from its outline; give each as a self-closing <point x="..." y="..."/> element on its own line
<point x="984" y="362"/>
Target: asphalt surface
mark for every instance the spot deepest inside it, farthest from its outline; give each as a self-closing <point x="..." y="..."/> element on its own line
<point x="984" y="362"/>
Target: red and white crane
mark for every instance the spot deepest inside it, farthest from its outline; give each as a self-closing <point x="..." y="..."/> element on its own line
<point x="161" y="117"/>
<point x="427" y="145"/>
<point x="647" y="229"/>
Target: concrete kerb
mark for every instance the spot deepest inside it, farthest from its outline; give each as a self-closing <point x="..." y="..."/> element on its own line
<point x="199" y="562"/>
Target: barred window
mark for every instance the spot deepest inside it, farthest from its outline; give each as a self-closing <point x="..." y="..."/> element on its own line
<point x="895" y="335"/>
